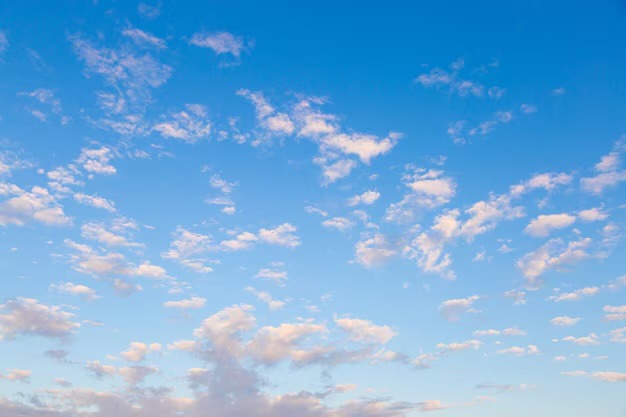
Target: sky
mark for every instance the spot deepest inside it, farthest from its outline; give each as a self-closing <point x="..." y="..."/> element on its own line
<point x="317" y="209"/>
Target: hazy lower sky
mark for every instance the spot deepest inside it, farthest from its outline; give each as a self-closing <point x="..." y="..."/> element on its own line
<point x="312" y="209"/>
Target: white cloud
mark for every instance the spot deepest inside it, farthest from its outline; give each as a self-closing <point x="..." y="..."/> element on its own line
<point x="453" y="309"/>
<point x="368" y="197"/>
<point x="134" y="375"/>
<point x="592" y="339"/>
<point x="220" y="42"/>
<point x="520" y="351"/>
<point x="459" y="346"/>
<point x="552" y="255"/>
<point x="281" y="235"/>
<point x="337" y="148"/>
<point x="266" y="298"/>
<point x="615" y="313"/>
<point x="46" y="97"/>
<point x="565" y="321"/>
<point x="518" y="297"/>
<point x="97" y="161"/>
<point x="274" y="275"/>
<point x="88" y="261"/>
<point x="373" y="251"/>
<point x="216" y="181"/>
<point x="223" y="328"/>
<point x="100" y="233"/>
<point x="122" y="287"/>
<point x="575" y="295"/>
<point x="432" y="405"/>
<point x="142" y="38"/>
<point x="132" y="73"/>
<point x="509" y="331"/>
<point x="609" y="171"/>
<point x="311" y="209"/>
<point x="189" y="125"/>
<point x="137" y="351"/>
<point x="428" y="248"/>
<point x="592" y="215"/>
<point x="242" y="241"/>
<point x="275" y="122"/>
<point x="95" y="201"/>
<point x="189" y="303"/>
<point x="428" y="189"/>
<point x="9" y="161"/>
<point x="339" y="223"/>
<point x="188" y="248"/>
<point x="17" y="375"/>
<point x="365" y="331"/>
<point x="26" y="316"/>
<point x="274" y="344"/>
<point x="75" y="289"/>
<point x="547" y="181"/>
<point x="35" y="205"/>
<point x="99" y="370"/>
<point x="544" y="224"/>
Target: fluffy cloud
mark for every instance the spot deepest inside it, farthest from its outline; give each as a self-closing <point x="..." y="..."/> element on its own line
<point x="223" y="327"/>
<point x="609" y="171"/>
<point x="565" y="321"/>
<point x="373" y="251"/>
<point x="26" y="316"/>
<point x="266" y="298"/>
<point x="97" y="160"/>
<point x="510" y="331"/>
<point x="339" y="150"/>
<point x="274" y="275"/>
<point x="35" y="205"/>
<point x="427" y="189"/>
<point x="543" y="225"/>
<point x="274" y="344"/>
<point x="592" y="215"/>
<point x="605" y="376"/>
<point x="575" y="295"/>
<point x="137" y="351"/>
<point x="520" y="351"/>
<point x="75" y="289"/>
<point x="189" y="303"/>
<point x="453" y="309"/>
<point x="95" y="201"/>
<point x="189" y="125"/>
<point x="89" y="261"/>
<point x="17" y="375"/>
<point x="368" y="197"/>
<point x="615" y="313"/>
<point x="555" y="254"/>
<point x="281" y="235"/>
<point x="365" y="331"/>
<point x="100" y="233"/>
<point x="592" y="339"/>
<point x="339" y="223"/>
<point x="458" y="346"/>
<point x="188" y="248"/>
<point x="275" y="122"/>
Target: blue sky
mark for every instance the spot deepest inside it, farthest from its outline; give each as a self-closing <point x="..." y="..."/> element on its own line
<point x="224" y="209"/>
